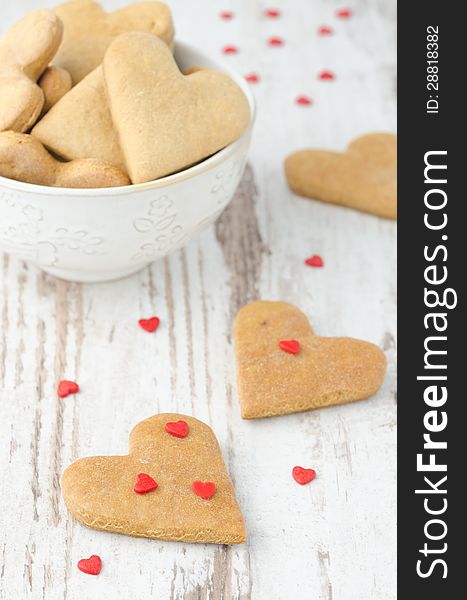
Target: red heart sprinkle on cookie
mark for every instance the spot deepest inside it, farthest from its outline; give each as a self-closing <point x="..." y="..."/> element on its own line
<point x="149" y="325"/>
<point x="227" y="15"/>
<point x="272" y="13"/>
<point x="327" y="75"/>
<point x="144" y="483"/>
<point x="290" y="346"/>
<point x="275" y="41"/>
<point x="304" y="101"/>
<point x="252" y="78"/>
<point x="91" y="565"/>
<point x="204" y="489"/>
<point x="230" y="49"/>
<point x="314" y="261"/>
<point x="325" y="30"/>
<point x="303" y="476"/>
<point x="66" y="387"/>
<point x="178" y="429"/>
<point x="344" y="13"/>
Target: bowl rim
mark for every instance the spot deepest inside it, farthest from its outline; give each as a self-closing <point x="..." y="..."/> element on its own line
<point x="205" y="165"/>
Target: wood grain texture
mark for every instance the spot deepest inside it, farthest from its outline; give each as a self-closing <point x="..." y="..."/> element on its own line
<point x="331" y="540"/>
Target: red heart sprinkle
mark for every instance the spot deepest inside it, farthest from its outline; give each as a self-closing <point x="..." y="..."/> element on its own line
<point x="325" y="30"/>
<point x="149" y="325"/>
<point x="290" y="346"/>
<point x="302" y="475"/>
<point x="252" y="78"/>
<point x="66" y="387"/>
<point x="272" y="13"/>
<point x="204" y="489"/>
<point x="91" y="565"/>
<point x="144" y="483"/>
<point x="230" y="49"/>
<point x="314" y="261"/>
<point x="304" y="101"/>
<point x="178" y="429"/>
<point x="227" y="15"/>
<point x="327" y="75"/>
<point x="344" y="13"/>
<point x="275" y="41"/>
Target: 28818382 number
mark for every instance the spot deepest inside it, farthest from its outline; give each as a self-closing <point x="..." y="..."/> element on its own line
<point x="432" y="58"/>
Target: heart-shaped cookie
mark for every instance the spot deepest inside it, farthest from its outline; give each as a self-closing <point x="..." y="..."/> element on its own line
<point x="99" y="491"/>
<point x="25" y="51"/>
<point x="88" y="31"/>
<point x="363" y="177"/>
<point x="24" y="158"/>
<point x="167" y="121"/>
<point x="324" y="372"/>
<point x="80" y="125"/>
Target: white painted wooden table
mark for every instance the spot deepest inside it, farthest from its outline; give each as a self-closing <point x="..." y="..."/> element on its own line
<point x="334" y="539"/>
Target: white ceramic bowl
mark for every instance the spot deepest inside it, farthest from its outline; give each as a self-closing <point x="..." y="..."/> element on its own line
<point x="107" y="233"/>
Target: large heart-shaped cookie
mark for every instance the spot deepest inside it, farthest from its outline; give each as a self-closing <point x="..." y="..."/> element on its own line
<point x="25" y="51"/>
<point x="88" y="31"/>
<point x="112" y="492"/>
<point x="167" y="121"/>
<point x="80" y="125"/>
<point x="363" y="177"/>
<point x="283" y="367"/>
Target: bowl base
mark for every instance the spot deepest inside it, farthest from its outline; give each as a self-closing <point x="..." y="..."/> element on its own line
<point x="77" y="276"/>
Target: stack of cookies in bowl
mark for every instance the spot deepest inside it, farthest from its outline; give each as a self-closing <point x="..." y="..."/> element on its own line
<point x="92" y="99"/>
<point x="118" y="144"/>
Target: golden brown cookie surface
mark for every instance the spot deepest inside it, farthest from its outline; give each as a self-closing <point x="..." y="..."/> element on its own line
<point x="24" y="158"/>
<point x="80" y="125"/>
<point x="54" y="83"/>
<point x="324" y="371"/>
<point x="363" y="177"/>
<point x="25" y="51"/>
<point x="99" y="491"/>
<point x="88" y="31"/>
<point x="167" y="121"/>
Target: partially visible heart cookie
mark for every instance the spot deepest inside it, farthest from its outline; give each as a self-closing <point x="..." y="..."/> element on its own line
<point x="167" y="121"/>
<point x="24" y="158"/>
<point x="193" y="500"/>
<point x="324" y="372"/>
<point x="80" y="125"/>
<point x="363" y="177"/>
<point x="25" y="51"/>
<point x="54" y="83"/>
<point x="88" y="31"/>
